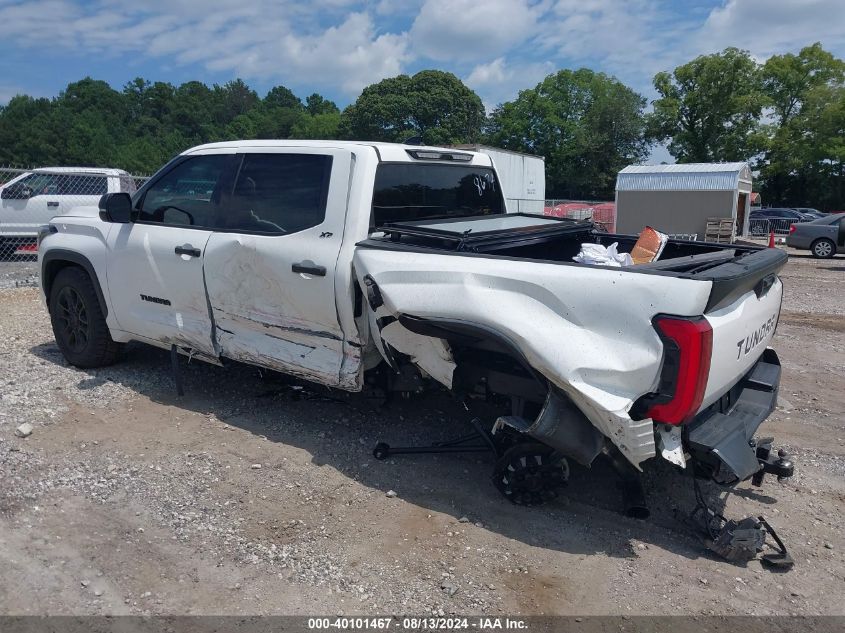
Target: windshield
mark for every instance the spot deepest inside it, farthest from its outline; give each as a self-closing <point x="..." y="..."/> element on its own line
<point x="406" y="192"/>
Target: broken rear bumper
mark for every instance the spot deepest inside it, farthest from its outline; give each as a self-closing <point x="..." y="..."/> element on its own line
<point x="721" y="438"/>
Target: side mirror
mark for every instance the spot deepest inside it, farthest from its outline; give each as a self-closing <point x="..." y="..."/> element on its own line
<point x="116" y="207"/>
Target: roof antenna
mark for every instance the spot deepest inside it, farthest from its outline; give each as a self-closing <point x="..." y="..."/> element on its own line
<point x="413" y="140"/>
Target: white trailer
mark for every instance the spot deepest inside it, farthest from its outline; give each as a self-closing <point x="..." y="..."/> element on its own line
<point x="523" y="177"/>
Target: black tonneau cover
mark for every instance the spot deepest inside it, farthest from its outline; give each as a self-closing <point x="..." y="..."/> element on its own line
<point x="481" y="232"/>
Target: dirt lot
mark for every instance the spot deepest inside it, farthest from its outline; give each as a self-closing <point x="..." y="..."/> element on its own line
<point x="254" y="495"/>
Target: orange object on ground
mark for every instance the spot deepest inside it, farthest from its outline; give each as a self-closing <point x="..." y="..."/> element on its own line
<point x="649" y="246"/>
<point x="772" y="239"/>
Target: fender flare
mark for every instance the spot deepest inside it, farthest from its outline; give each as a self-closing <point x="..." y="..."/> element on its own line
<point x="51" y="265"/>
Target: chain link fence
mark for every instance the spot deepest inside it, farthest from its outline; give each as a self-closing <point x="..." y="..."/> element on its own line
<point x="30" y="198"/>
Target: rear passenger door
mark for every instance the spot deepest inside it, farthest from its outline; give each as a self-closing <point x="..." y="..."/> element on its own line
<point x="270" y="264"/>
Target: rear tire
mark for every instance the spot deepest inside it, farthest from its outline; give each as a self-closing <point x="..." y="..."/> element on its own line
<point x="78" y="321"/>
<point x="530" y="474"/>
<point x="823" y="248"/>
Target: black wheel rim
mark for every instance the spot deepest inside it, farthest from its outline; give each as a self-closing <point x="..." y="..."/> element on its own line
<point x="529" y="477"/>
<point x="72" y="319"/>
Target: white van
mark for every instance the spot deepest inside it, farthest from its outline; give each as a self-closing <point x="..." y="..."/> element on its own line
<point x="34" y="197"/>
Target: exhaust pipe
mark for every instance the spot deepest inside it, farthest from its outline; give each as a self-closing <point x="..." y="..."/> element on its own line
<point x="630" y="484"/>
<point x="561" y="425"/>
<point x="633" y="500"/>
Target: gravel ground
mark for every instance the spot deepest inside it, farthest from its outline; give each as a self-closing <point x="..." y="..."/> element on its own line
<point x="255" y="494"/>
<point x="22" y="272"/>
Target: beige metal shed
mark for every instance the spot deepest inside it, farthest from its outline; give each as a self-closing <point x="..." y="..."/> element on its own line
<point x="681" y="199"/>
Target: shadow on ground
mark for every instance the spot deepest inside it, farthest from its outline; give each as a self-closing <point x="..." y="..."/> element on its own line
<point x="341" y="429"/>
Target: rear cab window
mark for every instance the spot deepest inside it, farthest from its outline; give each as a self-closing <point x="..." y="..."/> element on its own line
<point x="422" y="191"/>
<point x="82" y="185"/>
<point x="277" y="194"/>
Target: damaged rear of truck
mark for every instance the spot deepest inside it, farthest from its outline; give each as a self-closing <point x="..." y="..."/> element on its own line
<point x="665" y="359"/>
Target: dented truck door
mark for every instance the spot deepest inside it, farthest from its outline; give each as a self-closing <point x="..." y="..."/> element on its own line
<point x="270" y="266"/>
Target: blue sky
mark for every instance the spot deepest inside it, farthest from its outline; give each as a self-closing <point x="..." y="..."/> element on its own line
<point x="336" y="47"/>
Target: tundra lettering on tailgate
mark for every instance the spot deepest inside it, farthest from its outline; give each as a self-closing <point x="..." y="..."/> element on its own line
<point x="756" y="337"/>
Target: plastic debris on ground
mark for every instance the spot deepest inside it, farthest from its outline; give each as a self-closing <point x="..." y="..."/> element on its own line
<point x="603" y="255"/>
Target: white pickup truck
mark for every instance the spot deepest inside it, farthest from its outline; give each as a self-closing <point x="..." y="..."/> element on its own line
<point x="348" y="263"/>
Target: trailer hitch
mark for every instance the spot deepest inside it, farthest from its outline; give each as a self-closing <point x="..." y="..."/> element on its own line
<point x="780" y="466"/>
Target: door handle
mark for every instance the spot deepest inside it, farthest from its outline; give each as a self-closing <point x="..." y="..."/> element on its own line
<point x="52" y="204"/>
<point x="309" y="268"/>
<point x="187" y="249"/>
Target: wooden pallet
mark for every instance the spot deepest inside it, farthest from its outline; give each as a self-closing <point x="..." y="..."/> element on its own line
<point x="719" y="230"/>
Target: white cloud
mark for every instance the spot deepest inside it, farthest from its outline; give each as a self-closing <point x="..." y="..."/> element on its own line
<point x="398" y="7"/>
<point x="631" y="40"/>
<point x="500" y="80"/>
<point x="769" y="27"/>
<point x="260" y="39"/>
<point x="467" y="30"/>
<point x="499" y="46"/>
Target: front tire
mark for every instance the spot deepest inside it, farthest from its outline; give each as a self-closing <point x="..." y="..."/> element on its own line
<point x="78" y="321"/>
<point x="823" y="248"/>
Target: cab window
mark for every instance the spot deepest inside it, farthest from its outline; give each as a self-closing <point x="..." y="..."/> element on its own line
<point x="189" y="194"/>
<point x="87" y="185"/>
<point x="419" y="191"/>
<point x="40" y="184"/>
<point x="277" y="194"/>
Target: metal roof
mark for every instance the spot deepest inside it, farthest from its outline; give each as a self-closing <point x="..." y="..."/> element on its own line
<point x="685" y="177"/>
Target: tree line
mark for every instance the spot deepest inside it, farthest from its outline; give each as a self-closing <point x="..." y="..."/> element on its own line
<point x="786" y="116"/>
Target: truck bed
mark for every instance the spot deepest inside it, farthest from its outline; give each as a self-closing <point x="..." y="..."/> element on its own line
<point x="733" y="268"/>
<point x="587" y="329"/>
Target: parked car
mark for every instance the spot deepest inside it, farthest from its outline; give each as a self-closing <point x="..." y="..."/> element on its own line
<point x="815" y="214"/>
<point x="823" y="237"/>
<point x="31" y="199"/>
<point x="352" y="264"/>
<point x="777" y="219"/>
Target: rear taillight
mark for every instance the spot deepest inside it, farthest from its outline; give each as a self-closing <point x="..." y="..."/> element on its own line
<point x="687" y="345"/>
<point x="792" y="228"/>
